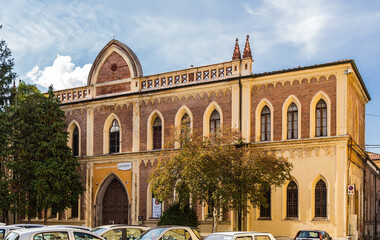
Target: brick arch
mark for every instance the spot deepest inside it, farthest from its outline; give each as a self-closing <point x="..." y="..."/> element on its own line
<point x="206" y="116"/>
<point x="100" y="193"/>
<point x="123" y="54"/>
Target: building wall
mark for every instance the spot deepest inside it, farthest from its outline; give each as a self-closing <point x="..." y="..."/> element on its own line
<point x="237" y="94"/>
<point x="276" y="93"/>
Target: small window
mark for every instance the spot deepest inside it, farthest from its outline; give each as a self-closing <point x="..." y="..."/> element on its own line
<point x="292" y="200"/>
<point x="214" y="122"/>
<point x="114" y="137"/>
<point x="75" y="142"/>
<point x="292" y="121"/>
<point x="157" y="133"/>
<point x="321" y="119"/>
<point x="265" y="124"/>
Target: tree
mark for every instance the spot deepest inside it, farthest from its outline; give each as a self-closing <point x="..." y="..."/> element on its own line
<point x="218" y="170"/>
<point x="179" y="215"/>
<point x="7" y="76"/>
<point x="44" y="170"/>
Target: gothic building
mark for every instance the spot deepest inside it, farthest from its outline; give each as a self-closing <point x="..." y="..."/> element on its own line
<point x="312" y="115"/>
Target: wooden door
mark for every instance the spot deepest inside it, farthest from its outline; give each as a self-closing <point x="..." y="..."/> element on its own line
<point x="115" y="204"/>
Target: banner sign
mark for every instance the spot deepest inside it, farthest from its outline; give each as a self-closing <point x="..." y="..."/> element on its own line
<point x="156" y="208"/>
<point x="124" y="166"/>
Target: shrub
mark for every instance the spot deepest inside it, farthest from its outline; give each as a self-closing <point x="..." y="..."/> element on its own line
<point x="181" y="216"/>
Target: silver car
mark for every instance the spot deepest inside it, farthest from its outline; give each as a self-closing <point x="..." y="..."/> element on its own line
<point x="240" y="236"/>
<point x="50" y="233"/>
<point x="119" y="231"/>
<point x="171" y="233"/>
<point x="4" y="230"/>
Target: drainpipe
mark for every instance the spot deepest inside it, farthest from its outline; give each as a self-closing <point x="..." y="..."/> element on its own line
<point x="240" y="105"/>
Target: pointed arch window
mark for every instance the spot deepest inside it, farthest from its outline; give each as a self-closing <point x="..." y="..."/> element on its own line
<point x="292" y="200"/>
<point x="265" y="124"/>
<point x="75" y="142"/>
<point x="320" y="199"/>
<point x="265" y="212"/>
<point x="214" y="122"/>
<point x="185" y="127"/>
<point x="321" y="119"/>
<point x="292" y="121"/>
<point x="185" y="123"/>
<point x="114" y="137"/>
<point x="157" y="133"/>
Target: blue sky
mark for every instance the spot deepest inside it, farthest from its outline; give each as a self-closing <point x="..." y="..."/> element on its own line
<point x="55" y="42"/>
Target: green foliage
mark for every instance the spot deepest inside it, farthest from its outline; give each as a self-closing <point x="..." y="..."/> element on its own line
<point x="218" y="170"/>
<point x="45" y="173"/>
<point x="6" y="74"/>
<point x="178" y="215"/>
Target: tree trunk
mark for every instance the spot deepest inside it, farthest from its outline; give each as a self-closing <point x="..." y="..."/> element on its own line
<point x="214" y="219"/>
<point x="45" y="216"/>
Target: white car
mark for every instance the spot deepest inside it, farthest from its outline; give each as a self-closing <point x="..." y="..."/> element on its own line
<point x="240" y="236"/>
<point x="51" y="233"/>
<point x="119" y="231"/>
<point x="4" y="230"/>
<point x="171" y="233"/>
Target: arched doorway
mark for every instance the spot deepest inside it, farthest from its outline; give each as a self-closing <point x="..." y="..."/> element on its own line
<point x="115" y="204"/>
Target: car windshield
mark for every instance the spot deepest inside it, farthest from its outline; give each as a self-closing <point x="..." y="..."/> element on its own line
<point x="97" y="231"/>
<point x="219" y="237"/>
<point x="12" y="236"/>
<point x="152" y="234"/>
<point x="308" y="234"/>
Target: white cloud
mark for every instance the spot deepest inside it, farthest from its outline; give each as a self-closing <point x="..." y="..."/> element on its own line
<point x="300" y="23"/>
<point x="62" y="74"/>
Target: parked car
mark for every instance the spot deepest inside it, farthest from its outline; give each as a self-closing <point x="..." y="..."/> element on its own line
<point x="171" y="233"/>
<point x="4" y="230"/>
<point x="119" y="231"/>
<point x="312" y="234"/>
<point x="240" y="236"/>
<point x="51" y="233"/>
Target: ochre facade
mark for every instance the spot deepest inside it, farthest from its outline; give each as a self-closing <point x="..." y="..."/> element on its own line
<point x="118" y="93"/>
